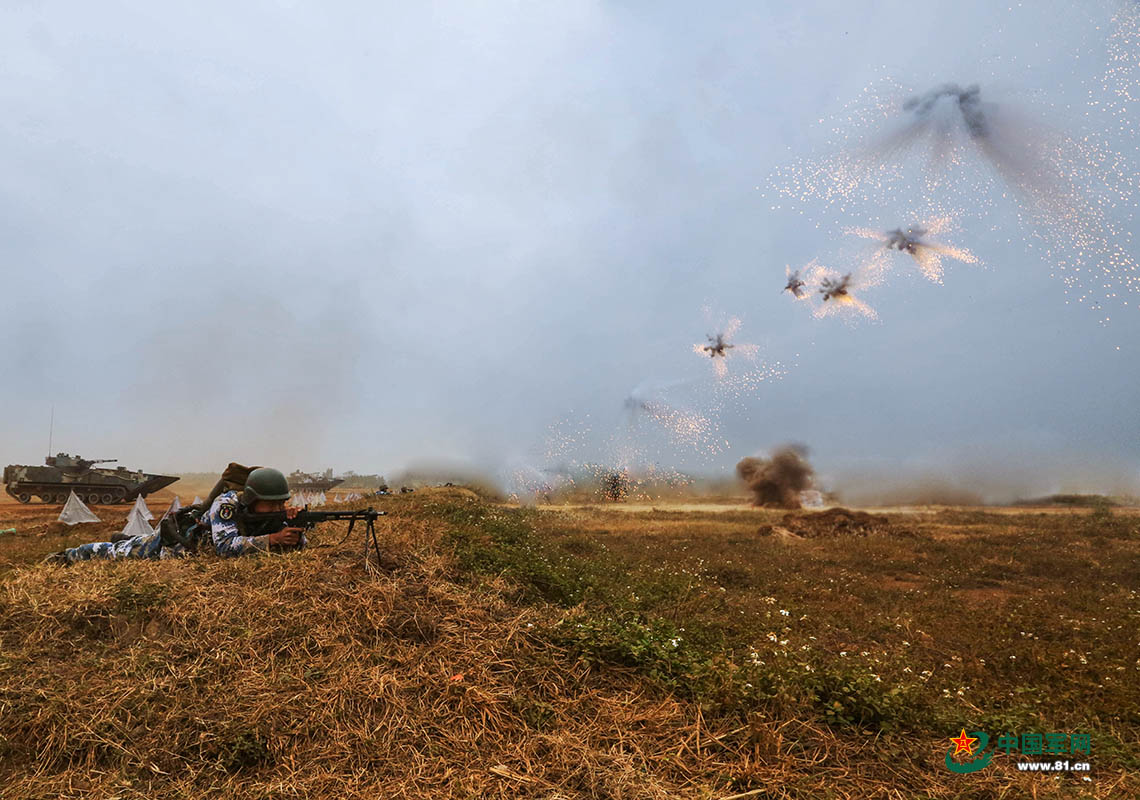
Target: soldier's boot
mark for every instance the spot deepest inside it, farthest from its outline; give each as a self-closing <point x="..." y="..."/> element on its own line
<point x="118" y="537"/>
<point x="57" y="558"/>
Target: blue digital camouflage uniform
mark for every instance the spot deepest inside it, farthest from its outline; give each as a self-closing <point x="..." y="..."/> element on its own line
<point x="224" y="532"/>
<point x="144" y="546"/>
<point x="220" y="521"/>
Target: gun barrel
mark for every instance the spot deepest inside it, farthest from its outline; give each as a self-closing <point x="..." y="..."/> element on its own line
<point x="323" y="516"/>
<point x="309" y="518"/>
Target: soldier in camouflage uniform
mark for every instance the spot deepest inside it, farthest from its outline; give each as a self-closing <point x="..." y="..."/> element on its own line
<point x="224" y="524"/>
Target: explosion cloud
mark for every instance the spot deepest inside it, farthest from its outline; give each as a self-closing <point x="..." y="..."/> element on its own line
<point x="779" y="479"/>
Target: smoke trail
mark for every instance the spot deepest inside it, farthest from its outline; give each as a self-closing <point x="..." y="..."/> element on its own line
<point x="661" y="405"/>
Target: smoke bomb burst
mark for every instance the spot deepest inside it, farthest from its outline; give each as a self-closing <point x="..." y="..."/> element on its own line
<point x="915" y="241"/>
<point x="795" y="284"/>
<point x="779" y="479"/>
<point x="718" y="347"/>
<point x="964" y="155"/>
<point x="834" y="293"/>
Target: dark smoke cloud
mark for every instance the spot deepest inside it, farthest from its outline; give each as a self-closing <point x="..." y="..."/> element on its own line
<point x="779" y="479"/>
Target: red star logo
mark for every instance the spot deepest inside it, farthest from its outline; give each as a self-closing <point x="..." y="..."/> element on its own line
<point x="963" y="743"/>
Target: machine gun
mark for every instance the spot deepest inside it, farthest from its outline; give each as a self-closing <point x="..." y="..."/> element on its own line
<point x="307" y="520"/>
<point x="177" y="529"/>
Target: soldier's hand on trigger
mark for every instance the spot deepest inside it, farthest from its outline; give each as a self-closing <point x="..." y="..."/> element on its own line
<point x="285" y="536"/>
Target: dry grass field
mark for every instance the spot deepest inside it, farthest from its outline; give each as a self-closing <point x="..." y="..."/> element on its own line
<point x="693" y="651"/>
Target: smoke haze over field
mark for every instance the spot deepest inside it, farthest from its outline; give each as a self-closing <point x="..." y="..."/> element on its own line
<point x="364" y="235"/>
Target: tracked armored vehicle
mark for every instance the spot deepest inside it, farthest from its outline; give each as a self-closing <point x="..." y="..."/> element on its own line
<point x="310" y="482"/>
<point x="65" y="473"/>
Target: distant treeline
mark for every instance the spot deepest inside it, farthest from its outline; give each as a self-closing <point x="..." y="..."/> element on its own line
<point x="1082" y="500"/>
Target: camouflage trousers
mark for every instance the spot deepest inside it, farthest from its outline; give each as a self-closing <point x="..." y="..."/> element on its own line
<point x="148" y="545"/>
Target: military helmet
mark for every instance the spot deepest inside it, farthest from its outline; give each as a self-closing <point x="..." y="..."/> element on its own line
<point x="265" y="483"/>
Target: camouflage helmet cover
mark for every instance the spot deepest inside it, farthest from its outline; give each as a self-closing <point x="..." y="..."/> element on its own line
<point x="265" y="483"/>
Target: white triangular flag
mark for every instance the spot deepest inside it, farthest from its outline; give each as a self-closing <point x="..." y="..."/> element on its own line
<point x="136" y="524"/>
<point x="74" y="512"/>
<point x="173" y="508"/>
<point x="140" y="506"/>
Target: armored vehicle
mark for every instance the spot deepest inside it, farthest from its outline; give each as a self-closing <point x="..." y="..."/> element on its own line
<point x="64" y="474"/>
<point x="311" y="482"/>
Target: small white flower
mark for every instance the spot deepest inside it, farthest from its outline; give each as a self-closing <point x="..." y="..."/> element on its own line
<point x="842" y="652"/>
<point x="784" y="612"/>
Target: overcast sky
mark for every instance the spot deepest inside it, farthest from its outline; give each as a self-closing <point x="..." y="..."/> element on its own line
<point x="364" y="235"/>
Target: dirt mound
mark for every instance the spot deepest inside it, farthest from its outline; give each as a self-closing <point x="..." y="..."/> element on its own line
<point x="836" y="522"/>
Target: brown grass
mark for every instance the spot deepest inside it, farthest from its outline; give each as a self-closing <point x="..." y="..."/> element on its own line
<point x="305" y="675"/>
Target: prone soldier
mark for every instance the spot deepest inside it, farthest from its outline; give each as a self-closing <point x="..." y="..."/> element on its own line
<point x="228" y="524"/>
